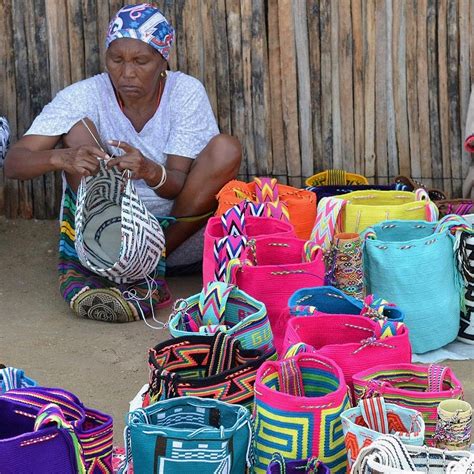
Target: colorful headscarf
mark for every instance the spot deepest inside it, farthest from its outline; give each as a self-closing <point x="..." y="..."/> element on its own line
<point x="143" y="22"/>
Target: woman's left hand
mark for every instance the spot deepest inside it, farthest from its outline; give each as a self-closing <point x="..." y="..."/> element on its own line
<point x="133" y="160"/>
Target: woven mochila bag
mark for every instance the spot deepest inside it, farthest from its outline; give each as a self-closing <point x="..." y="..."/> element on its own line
<point x="279" y="465"/>
<point x="116" y="236"/>
<point x="298" y="406"/>
<point x="337" y="190"/>
<point x="352" y="342"/>
<point x="277" y="200"/>
<point x="460" y="207"/>
<point x="336" y="177"/>
<point x="11" y="378"/>
<point x="354" y="212"/>
<point x="412" y="386"/>
<point x="226" y="236"/>
<point x="92" y="428"/>
<point x="272" y="269"/>
<point x="223" y="308"/>
<point x="372" y="418"/>
<point x="413" y="263"/>
<point x="202" y="366"/>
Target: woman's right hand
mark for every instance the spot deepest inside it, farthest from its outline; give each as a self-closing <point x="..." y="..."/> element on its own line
<point x="80" y="161"/>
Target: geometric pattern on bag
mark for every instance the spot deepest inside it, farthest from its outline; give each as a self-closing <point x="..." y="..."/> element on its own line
<point x="189" y="434"/>
<point x="300" y="424"/>
<point x="93" y="428"/>
<point x="4" y="139"/>
<point x="224" y="308"/>
<point x="373" y="418"/>
<point x="202" y="366"/>
<point x="419" y="388"/>
<point x="116" y="236"/>
<point x="11" y="378"/>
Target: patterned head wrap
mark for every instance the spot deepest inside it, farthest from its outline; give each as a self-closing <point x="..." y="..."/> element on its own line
<point x="143" y="22"/>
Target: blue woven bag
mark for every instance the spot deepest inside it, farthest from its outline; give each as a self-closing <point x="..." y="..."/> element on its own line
<point x="225" y="308"/>
<point x="413" y="264"/>
<point x="11" y="378"/>
<point x="189" y="434"/>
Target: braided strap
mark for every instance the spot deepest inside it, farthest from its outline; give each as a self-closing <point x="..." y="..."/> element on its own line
<point x="327" y="218"/>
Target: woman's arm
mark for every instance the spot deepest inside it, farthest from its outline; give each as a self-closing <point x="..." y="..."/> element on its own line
<point x="34" y="155"/>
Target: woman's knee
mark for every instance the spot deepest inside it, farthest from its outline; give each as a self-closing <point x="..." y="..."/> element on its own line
<point x="226" y="152"/>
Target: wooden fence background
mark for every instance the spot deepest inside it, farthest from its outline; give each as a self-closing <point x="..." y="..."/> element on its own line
<point x="380" y="87"/>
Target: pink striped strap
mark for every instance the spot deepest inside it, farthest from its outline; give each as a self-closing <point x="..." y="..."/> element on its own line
<point x="436" y="375"/>
<point x="374" y="413"/>
<point x="431" y="209"/>
<point x="291" y="380"/>
<point x="327" y="220"/>
<point x="212" y="302"/>
<point x="266" y="191"/>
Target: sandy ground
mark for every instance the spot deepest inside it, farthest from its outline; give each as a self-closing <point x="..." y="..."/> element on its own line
<point x="104" y="364"/>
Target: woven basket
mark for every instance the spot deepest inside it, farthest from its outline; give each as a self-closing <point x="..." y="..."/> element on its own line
<point x="271" y="270"/>
<point x="298" y="403"/>
<point x="224" y="308"/>
<point x="336" y="177"/>
<point x="373" y="418"/>
<point x="301" y="204"/>
<point x="251" y="227"/>
<point x="352" y="342"/>
<point x="411" y="386"/>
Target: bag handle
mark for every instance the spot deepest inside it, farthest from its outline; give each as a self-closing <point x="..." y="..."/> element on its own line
<point x="436" y="376"/>
<point x="374" y="413"/>
<point x="213" y="301"/>
<point x="11" y="378"/>
<point x="431" y="209"/>
<point x="328" y="218"/>
<point x="225" y="250"/>
<point x="223" y="353"/>
<point x="52" y="414"/>
<point x="267" y="193"/>
<point x="290" y="378"/>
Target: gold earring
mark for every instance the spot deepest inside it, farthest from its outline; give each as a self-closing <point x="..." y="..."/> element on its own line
<point x="163" y="74"/>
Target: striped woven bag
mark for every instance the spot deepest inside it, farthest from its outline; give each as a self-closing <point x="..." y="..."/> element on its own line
<point x="224" y="308"/>
<point x="116" y="236"/>
<point x="277" y="200"/>
<point x="412" y="386"/>
<point x="93" y="429"/>
<point x="298" y="403"/>
<point x="11" y="378"/>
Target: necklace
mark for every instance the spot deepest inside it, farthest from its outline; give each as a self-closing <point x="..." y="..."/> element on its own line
<point x="161" y="88"/>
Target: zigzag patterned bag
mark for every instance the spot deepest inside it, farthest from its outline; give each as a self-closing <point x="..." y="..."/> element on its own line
<point x="224" y="308"/>
<point x="116" y="236"/>
<point x="298" y="406"/>
<point x="202" y="366"/>
<point x="279" y="201"/>
<point x="226" y="236"/>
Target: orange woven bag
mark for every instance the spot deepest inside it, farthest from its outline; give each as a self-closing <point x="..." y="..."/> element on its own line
<point x="298" y="205"/>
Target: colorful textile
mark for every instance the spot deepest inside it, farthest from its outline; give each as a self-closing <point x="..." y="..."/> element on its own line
<point x="224" y="308"/>
<point x="373" y="418"/>
<point x="93" y="429"/>
<point x="411" y="386"/>
<point x="11" y="378"/>
<point x="300" y="426"/>
<point x="144" y="22"/>
<point x="74" y="278"/>
<point x="4" y="138"/>
<point x="278" y="465"/>
<point x="208" y="367"/>
<point x="336" y="177"/>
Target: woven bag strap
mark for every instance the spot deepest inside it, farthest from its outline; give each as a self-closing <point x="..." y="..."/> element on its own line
<point x="52" y="414"/>
<point x="453" y="223"/>
<point x="291" y="379"/>
<point x="11" y="378"/>
<point x="374" y="413"/>
<point x="298" y="348"/>
<point x="213" y="301"/>
<point x="436" y="375"/>
<point x="226" y="249"/>
<point x="431" y="209"/>
<point x="327" y="220"/>
<point x="278" y="460"/>
<point x="223" y="354"/>
<point x="266" y="191"/>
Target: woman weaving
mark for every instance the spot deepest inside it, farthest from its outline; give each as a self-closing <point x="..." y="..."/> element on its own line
<point x="155" y="123"/>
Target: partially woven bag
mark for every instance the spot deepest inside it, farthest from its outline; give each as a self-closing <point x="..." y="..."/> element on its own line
<point x="373" y="418"/>
<point x="11" y="378"/>
<point x="298" y="406"/>
<point x="226" y="236"/>
<point x="352" y="342"/>
<point x="201" y="366"/>
<point x="224" y="308"/>
<point x="278" y="201"/>
<point x="412" y="386"/>
<point x="116" y="236"/>
<point x="413" y="263"/>
<point x="279" y="465"/>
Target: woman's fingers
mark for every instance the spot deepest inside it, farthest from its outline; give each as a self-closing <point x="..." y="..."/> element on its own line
<point x="122" y="145"/>
<point x="94" y="152"/>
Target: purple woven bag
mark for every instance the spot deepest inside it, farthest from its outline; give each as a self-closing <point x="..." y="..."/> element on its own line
<point x="43" y="444"/>
<point x="279" y="465"/>
<point x="94" y="430"/>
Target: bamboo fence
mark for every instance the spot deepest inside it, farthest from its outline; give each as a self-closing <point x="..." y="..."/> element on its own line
<point x="379" y="87"/>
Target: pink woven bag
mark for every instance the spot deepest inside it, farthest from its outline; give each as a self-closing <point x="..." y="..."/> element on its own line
<point x="352" y="341"/>
<point x="226" y="236"/>
<point x="272" y="268"/>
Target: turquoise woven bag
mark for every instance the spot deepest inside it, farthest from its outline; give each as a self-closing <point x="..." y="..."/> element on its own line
<point x="225" y="308"/>
<point x="189" y="434"/>
<point x="413" y="264"/>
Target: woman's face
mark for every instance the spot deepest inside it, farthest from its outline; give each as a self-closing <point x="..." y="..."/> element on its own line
<point x="134" y="67"/>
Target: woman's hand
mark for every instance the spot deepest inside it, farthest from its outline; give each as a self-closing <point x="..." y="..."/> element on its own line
<point x="83" y="160"/>
<point x="133" y="160"/>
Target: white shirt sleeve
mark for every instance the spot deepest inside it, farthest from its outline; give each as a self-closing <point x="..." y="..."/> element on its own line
<point x="70" y="105"/>
<point x="192" y="121"/>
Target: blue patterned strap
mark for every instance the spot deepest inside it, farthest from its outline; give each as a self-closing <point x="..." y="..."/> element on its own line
<point x="213" y="301"/>
<point x="11" y="378"/>
<point x="374" y="413"/>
